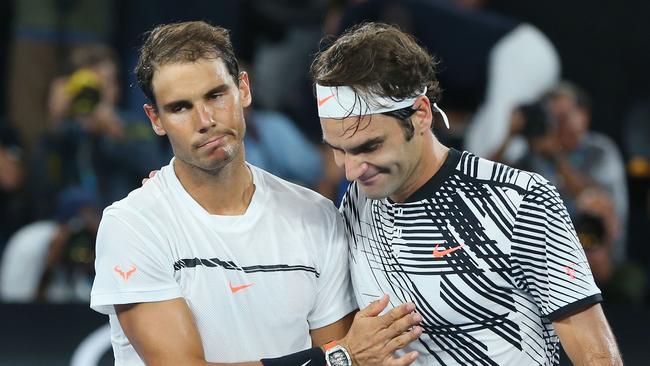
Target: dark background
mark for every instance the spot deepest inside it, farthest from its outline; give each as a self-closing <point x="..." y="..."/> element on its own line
<point x="604" y="46"/>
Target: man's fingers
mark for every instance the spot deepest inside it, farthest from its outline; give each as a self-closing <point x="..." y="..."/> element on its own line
<point x="404" y="339"/>
<point x="151" y="175"/>
<point x="375" y="308"/>
<point x="397" y="313"/>
<point x="406" y="359"/>
<point x="402" y="325"/>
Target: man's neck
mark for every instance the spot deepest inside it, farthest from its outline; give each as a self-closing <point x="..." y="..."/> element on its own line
<point x="433" y="157"/>
<point x="226" y="192"/>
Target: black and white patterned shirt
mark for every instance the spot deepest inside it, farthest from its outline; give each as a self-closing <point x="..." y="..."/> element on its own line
<point x="487" y="253"/>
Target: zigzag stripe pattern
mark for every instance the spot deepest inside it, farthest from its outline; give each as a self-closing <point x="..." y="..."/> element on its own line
<point x="489" y="301"/>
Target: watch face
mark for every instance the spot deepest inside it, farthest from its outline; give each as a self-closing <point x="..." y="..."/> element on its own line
<point x="338" y="358"/>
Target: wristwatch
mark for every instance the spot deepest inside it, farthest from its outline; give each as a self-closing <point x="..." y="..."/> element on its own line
<point x="337" y="355"/>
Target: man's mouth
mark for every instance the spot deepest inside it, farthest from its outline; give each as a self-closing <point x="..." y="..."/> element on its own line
<point x="212" y="142"/>
<point x="368" y="181"/>
<point x="369" y="178"/>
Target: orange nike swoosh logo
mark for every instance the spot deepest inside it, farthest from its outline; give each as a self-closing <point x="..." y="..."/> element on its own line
<point x="235" y="289"/>
<point x="441" y="253"/>
<point x="324" y="100"/>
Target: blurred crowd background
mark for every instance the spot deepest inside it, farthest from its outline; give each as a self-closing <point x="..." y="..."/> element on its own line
<point x="561" y="88"/>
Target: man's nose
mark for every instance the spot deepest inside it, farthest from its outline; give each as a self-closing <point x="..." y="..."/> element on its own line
<point x="354" y="167"/>
<point x="206" y="117"/>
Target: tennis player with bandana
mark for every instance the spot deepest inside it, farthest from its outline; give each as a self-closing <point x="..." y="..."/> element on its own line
<point x="487" y="252"/>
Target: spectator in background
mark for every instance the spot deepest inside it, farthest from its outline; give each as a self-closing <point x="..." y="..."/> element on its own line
<point x="489" y="64"/>
<point x="59" y="252"/>
<point x="285" y="33"/>
<point x="588" y="170"/>
<point x="569" y="155"/>
<point x="276" y="145"/>
<point x="584" y="158"/>
<point x="15" y="208"/>
<point x="93" y="143"/>
<point x="535" y="125"/>
<point x="279" y="39"/>
<point x="598" y="227"/>
<point x="68" y="267"/>
<point x="596" y="218"/>
<point x="43" y="32"/>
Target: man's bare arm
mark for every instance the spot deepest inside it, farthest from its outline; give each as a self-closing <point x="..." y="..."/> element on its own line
<point x="164" y="333"/>
<point x="587" y="338"/>
<point x="338" y="330"/>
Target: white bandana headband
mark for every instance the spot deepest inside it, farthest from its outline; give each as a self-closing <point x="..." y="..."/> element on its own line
<point x="341" y="102"/>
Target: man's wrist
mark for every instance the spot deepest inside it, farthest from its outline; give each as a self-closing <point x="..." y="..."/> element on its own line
<point x="337" y="353"/>
<point x="343" y="343"/>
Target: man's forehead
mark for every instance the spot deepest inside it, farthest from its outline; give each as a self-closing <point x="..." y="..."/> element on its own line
<point x="179" y="78"/>
<point x="355" y="125"/>
<point x="169" y="69"/>
<point x="352" y="131"/>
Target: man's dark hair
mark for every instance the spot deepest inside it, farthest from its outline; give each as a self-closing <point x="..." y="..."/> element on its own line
<point x="573" y="91"/>
<point x="180" y="43"/>
<point x="379" y="59"/>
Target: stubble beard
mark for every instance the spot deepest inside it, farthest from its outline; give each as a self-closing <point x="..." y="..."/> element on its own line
<point x="230" y="155"/>
<point x="212" y="167"/>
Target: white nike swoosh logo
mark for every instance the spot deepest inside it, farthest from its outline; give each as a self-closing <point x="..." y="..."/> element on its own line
<point x="306" y="363"/>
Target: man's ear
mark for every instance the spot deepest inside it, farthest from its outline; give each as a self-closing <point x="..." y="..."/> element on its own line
<point x="423" y="117"/>
<point x="152" y="113"/>
<point x="245" y="96"/>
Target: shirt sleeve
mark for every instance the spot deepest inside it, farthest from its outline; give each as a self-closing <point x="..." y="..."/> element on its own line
<point x="130" y="264"/>
<point x="334" y="297"/>
<point x="548" y="260"/>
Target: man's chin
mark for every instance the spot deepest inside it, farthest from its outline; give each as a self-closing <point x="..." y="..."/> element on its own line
<point x="214" y="165"/>
<point x="208" y="165"/>
<point x="373" y="192"/>
<point x="217" y="160"/>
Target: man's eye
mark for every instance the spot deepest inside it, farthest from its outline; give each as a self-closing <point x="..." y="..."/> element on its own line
<point x="371" y="148"/>
<point x="178" y="109"/>
<point x="215" y="95"/>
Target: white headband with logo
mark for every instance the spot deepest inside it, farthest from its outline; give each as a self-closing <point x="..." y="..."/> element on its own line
<point x="341" y="102"/>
